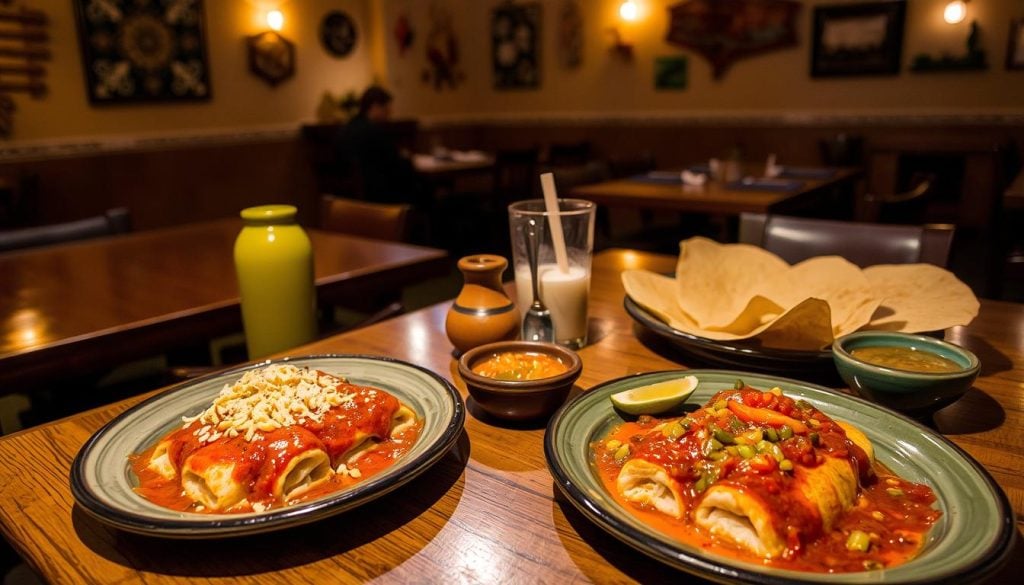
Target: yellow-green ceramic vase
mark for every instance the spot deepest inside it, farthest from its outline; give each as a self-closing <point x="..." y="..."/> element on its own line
<point x="274" y="263"/>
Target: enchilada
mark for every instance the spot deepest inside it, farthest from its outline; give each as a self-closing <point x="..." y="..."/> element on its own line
<point x="278" y="435"/>
<point x="754" y="474"/>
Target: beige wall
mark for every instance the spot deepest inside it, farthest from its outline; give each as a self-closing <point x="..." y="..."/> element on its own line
<point x="240" y="100"/>
<point x="774" y="84"/>
<point x="777" y="82"/>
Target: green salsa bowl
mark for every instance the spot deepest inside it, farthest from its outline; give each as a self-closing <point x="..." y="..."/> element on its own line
<point x="896" y="385"/>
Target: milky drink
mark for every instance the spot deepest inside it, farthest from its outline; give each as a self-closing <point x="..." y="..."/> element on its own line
<point x="564" y="294"/>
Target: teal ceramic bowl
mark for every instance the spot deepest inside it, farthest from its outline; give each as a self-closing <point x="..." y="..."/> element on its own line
<point x="913" y="393"/>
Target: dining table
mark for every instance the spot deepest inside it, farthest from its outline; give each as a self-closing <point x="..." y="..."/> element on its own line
<point x="452" y="164"/>
<point x="664" y="190"/>
<point x="486" y="512"/>
<point x="84" y="306"/>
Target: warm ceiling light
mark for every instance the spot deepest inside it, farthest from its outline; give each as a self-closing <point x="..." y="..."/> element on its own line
<point x="275" y="19"/>
<point x="628" y="10"/>
<point x="955" y="11"/>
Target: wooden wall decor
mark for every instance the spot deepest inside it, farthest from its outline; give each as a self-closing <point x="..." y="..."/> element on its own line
<point x="23" y="52"/>
<point x="724" y="31"/>
<point x="271" y="57"/>
<point x="143" y="50"/>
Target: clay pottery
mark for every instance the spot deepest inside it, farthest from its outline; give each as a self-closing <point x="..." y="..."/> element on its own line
<point x="482" y="313"/>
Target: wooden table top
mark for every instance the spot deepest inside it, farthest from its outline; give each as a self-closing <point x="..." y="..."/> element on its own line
<point x="714" y="197"/>
<point x="489" y="510"/>
<point x="432" y="166"/>
<point x="113" y="299"/>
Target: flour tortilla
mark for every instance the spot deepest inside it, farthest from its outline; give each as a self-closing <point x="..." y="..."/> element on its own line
<point x="918" y="298"/>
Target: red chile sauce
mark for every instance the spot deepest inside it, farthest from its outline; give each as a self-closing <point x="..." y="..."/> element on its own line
<point x="369" y="412"/>
<point x="897" y="514"/>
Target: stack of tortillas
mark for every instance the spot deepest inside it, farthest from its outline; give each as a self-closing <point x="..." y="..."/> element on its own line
<point x="737" y="291"/>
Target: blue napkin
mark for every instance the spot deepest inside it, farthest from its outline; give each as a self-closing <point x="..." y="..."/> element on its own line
<point x="659" y="177"/>
<point x="807" y="173"/>
<point x="765" y="184"/>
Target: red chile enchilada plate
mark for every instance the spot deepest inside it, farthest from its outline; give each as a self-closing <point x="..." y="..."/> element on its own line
<point x="102" y="480"/>
<point x="971" y="540"/>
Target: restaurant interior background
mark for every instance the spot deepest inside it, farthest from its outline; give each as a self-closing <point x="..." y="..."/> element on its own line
<point x="252" y="139"/>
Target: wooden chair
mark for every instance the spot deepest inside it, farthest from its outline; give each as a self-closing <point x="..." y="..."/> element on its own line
<point x="113" y="221"/>
<point x="908" y="206"/>
<point x="380" y="221"/>
<point x="515" y="175"/>
<point x="569" y="154"/>
<point x="798" y="238"/>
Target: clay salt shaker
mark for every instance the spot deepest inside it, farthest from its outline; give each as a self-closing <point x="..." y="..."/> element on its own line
<point x="482" y="312"/>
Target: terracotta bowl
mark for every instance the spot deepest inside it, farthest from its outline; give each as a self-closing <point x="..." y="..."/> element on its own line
<point x="519" y="399"/>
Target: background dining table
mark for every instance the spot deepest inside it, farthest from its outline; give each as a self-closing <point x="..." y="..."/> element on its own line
<point x="97" y="303"/>
<point x="662" y="191"/>
<point x="489" y="510"/>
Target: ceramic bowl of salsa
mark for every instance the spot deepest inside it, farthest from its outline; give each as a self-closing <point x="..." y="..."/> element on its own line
<point x="519" y="380"/>
<point x="913" y="374"/>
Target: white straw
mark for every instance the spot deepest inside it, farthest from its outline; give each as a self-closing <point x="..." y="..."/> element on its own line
<point x="547" y="183"/>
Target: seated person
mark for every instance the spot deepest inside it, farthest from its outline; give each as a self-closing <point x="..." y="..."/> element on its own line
<point x="368" y="145"/>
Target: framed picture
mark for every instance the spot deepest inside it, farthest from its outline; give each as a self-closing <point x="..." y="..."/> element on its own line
<point x="515" y="46"/>
<point x="858" y="39"/>
<point x="1015" y="46"/>
<point x="143" y="50"/>
<point x="670" y="73"/>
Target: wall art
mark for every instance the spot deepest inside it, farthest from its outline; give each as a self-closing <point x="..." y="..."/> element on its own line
<point x="271" y="57"/>
<point x="515" y="46"/>
<point x="670" y="73"/>
<point x="143" y="50"/>
<point x="442" y="51"/>
<point x="724" y="31"/>
<point x="570" y="35"/>
<point x="338" y="33"/>
<point x="24" y="55"/>
<point x="1015" y="46"/>
<point x="857" y="39"/>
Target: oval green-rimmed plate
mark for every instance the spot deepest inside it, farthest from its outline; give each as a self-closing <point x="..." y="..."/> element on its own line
<point x="102" y="481"/>
<point x="972" y="539"/>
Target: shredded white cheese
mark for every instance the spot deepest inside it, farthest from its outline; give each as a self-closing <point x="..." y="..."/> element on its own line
<point x="266" y="399"/>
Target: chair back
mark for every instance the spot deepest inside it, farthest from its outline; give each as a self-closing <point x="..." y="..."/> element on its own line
<point x="515" y="174"/>
<point x="569" y="154"/>
<point x="842" y="150"/>
<point x="799" y="238"/>
<point x="381" y="221"/>
<point x="113" y="221"/>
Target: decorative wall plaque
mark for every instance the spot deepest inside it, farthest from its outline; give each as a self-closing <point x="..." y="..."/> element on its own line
<point x="724" y="31"/>
<point x="22" y="58"/>
<point x="271" y="57"/>
<point x="857" y="39"/>
<point x="143" y="50"/>
<point x="442" y="50"/>
<point x="515" y="46"/>
<point x="338" y="33"/>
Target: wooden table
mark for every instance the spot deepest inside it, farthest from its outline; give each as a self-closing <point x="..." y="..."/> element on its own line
<point x="435" y="168"/>
<point x="714" y="197"/>
<point x="488" y="512"/>
<point x="94" y="304"/>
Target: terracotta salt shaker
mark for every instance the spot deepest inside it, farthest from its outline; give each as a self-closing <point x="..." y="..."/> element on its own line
<point x="482" y="312"/>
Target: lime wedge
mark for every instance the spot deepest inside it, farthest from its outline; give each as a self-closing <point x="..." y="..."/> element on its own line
<point x="655" y="398"/>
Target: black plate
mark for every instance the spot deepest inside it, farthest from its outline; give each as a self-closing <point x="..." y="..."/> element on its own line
<point x="736" y="354"/>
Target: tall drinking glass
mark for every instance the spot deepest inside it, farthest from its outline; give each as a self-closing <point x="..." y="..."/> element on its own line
<point x="564" y="293"/>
